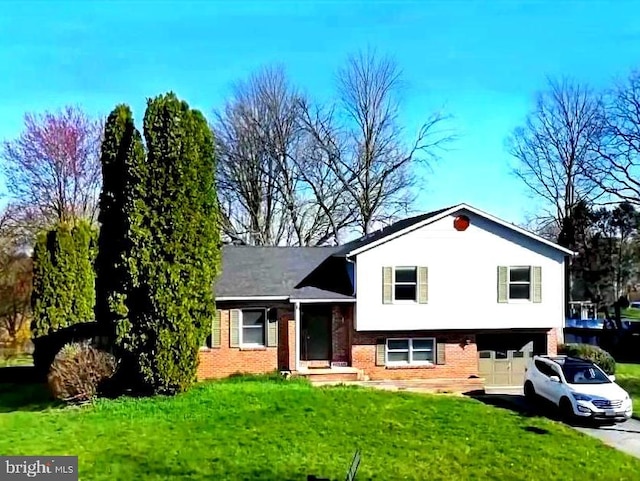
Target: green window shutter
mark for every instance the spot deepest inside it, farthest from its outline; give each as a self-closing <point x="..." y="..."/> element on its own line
<point x="423" y="285"/>
<point x="536" y="283"/>
<point x="234" y="328"/>
<point x="387" y="285"/>
<point x="503" y="284"/>
<point x="440" y="353"/>
<point x="215" y="329"/>
<point x="380" y="352"/>
<point x="272" y="332"/>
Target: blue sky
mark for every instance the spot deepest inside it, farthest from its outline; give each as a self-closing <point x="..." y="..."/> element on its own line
<point x="482" y="61"/>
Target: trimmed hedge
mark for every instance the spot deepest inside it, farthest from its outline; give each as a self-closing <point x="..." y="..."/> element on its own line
<point x="590" y="353"/>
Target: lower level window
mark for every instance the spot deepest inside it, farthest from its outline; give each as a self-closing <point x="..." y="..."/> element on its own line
<point x="410" y="351"/>
<point x="253" y="327"/>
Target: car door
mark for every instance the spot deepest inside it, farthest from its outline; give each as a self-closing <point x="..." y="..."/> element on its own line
<point x="542" y="382"/>
<point x="555" y="389"/>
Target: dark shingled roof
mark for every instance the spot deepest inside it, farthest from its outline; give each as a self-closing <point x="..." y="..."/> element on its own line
<point x="298" y="272"/>
<point x="386" y="231"/>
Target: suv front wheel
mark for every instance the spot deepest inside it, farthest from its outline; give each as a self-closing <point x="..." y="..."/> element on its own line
<point x="566" y="409"/>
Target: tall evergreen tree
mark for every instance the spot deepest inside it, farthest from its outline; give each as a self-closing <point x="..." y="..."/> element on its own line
<point x="168" y="246"/>
<point x="123" y="159"/>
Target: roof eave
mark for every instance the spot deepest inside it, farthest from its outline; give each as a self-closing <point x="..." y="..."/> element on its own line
<point x="451" y="210"/>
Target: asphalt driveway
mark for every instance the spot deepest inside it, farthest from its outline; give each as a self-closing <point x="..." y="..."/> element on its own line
<point x="623" y="436"/>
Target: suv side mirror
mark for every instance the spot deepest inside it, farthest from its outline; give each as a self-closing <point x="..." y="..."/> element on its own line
<point x="554" y="378"/>
<point x="612" y="377"/>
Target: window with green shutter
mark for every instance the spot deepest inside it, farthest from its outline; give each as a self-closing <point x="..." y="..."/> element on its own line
<point x="520" y="283"/>
<point x="423" y="285"/>
<point x="215" y="329"/>
<point x="405" y="283"/>
<point x="234" y="327"/>
<point x="387" y="285"/>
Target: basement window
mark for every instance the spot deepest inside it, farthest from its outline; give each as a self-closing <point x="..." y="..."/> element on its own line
<point x="410" y="351"/>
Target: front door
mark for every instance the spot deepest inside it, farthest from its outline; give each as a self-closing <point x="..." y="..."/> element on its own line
<point x="315" y="333"/>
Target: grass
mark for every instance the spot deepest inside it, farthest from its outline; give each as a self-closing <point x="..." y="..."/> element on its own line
<point x="631" y="314"/>
<point x="628" y="377"/>
<point x="16" y="360"/>
<point x="262" y="429"/>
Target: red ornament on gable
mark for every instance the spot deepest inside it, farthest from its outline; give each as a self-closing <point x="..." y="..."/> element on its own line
<point x="461" y="222"/>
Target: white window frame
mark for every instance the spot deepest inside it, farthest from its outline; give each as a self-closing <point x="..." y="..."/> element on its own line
<point x="415" y="284"/>
<point x="411" y="350"/>
<point x="519" y="283"/>
<point x="264" y="327"/>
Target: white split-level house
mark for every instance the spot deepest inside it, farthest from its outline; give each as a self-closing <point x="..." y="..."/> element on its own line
<point x="453" y="294"/>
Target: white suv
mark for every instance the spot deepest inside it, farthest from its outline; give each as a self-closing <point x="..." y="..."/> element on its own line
<point x="579" y="388"/>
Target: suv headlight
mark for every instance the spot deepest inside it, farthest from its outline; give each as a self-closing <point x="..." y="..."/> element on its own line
<point x="580" y="397"/>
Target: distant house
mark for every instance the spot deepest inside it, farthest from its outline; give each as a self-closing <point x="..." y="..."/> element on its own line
<point x="452" y="294"/>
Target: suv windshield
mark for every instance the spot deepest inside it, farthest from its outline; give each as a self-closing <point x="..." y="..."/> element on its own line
<point x="584" y="374"/>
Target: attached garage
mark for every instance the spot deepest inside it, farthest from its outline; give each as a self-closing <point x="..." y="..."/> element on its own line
<point x="503" y="357"/>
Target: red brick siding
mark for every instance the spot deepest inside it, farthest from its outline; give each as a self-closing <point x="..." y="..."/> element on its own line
<point x="340" y="322"/>
<point x="552" y="342"/>
<point x="461" y="358"/>
<point x="224" y="360"/>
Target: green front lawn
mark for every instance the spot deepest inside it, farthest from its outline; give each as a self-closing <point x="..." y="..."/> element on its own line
<point x="628" y="377"/>
<point x="286" y="430"/>
<point x="631" y="314"/>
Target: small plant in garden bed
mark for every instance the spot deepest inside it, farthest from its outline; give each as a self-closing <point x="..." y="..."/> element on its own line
<point x="79" y="371"/>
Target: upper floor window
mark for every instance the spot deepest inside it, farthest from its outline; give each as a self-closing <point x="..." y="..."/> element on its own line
<point x="520" y="283"/>
<point x="405" y="286"/>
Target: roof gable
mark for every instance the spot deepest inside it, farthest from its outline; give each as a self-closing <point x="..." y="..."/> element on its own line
<point x="405" y="226"/>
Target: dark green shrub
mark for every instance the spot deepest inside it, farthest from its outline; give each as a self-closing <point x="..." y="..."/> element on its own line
<point x="63" y="286"/>
<point x="590" y="353"/>
<point x="79" y="371"/>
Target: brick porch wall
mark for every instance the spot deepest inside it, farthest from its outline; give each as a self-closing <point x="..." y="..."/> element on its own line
<point x="552" y="342"/>
<point x="461" y="359"/>
<point x="224" y="360"/>
<point x="341" y="319"/>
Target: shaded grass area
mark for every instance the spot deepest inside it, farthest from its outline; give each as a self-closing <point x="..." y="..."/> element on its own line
<point x="284" y="430"/>
<point x="25" y="397"/>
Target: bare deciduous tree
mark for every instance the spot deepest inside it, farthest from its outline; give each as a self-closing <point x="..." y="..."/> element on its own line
<point x="616" y="169"/>
<point x="274" y="186"/>
<point x="52" y="168"/>
<point x="555" y="147"/>
<point x="377" y="164"/>
<point x="294" y="172"/>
